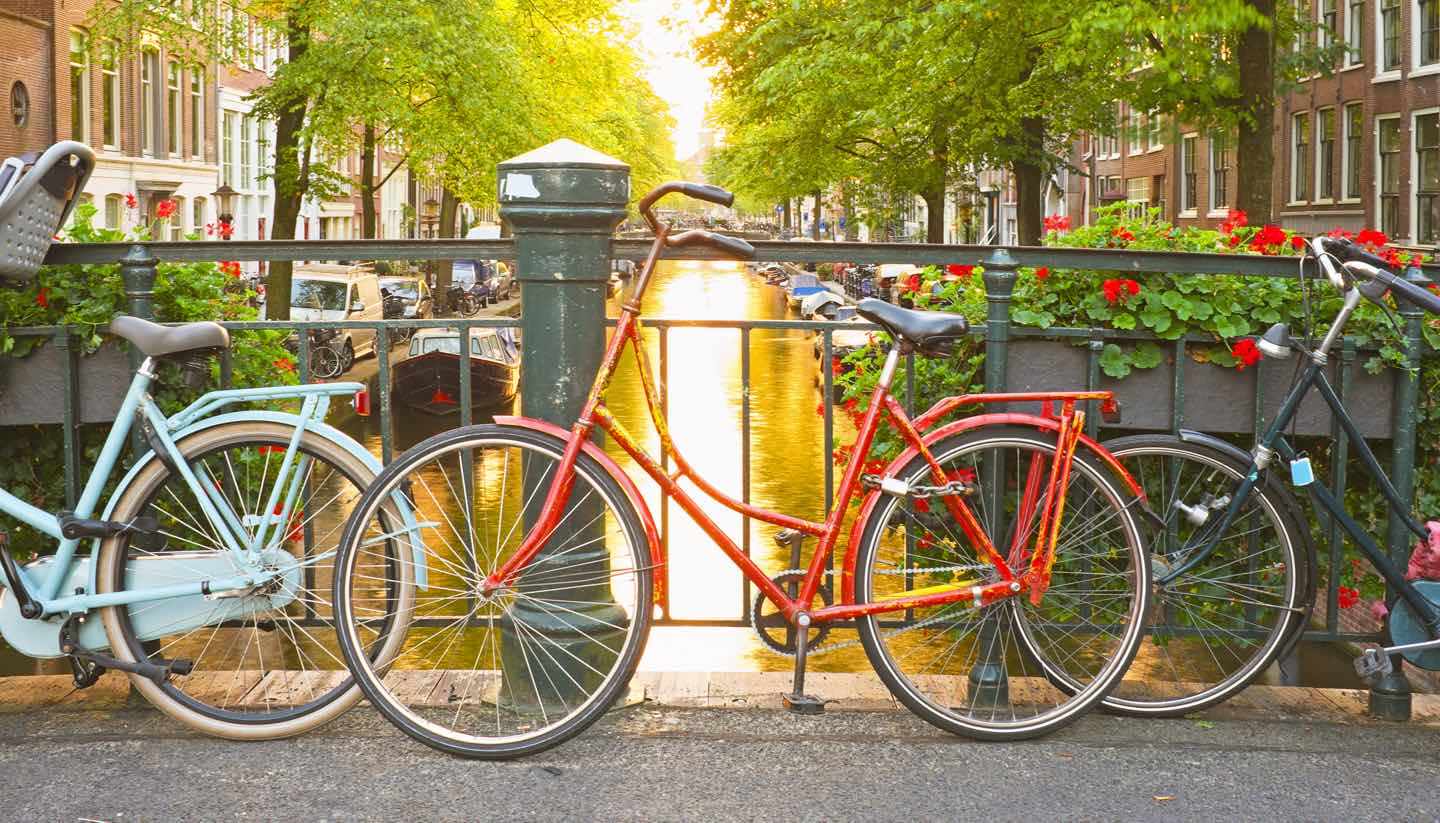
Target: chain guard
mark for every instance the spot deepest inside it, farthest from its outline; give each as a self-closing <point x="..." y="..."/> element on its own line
<point x="1407" y="627"/>
<point x="771" y="626"/>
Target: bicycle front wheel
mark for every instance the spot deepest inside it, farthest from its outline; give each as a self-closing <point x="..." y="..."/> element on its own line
<point x="1011" y="669"/>
<point x="522" y="668"/>
<point x="265" y="661"/>
<point x="1217" y="626"/>
<point x="324" y="362"/>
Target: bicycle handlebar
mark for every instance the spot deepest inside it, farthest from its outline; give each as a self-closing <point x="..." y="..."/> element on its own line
<point x="697" y="237"/>
<point x="1361" y="263"/>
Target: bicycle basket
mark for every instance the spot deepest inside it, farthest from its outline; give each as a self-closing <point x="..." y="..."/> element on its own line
<point x="38" y="206"/>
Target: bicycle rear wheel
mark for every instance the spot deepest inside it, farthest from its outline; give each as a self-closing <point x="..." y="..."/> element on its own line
<point x="324" y="362"/>
<point x="266" y="662"/>
<point x="1218" y="626"/>
<point x="530" y="665"/>
<point x="992" y="672"/>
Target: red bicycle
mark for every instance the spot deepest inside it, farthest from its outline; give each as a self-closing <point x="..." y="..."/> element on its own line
<point x="994" y="572"/>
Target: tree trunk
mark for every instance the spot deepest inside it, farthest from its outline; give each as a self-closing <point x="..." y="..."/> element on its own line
<point x="291" y="177"/>
<point x="446" y="228"/>
<point x="367" y="183"/>
<point x="847" y="203"/>
<point x="785" y="215"/>
<point x="1029" y="182"/>
<point x="934" y="190"/>
<point x="1254" y="149"/>
<point x="815" y="218"/>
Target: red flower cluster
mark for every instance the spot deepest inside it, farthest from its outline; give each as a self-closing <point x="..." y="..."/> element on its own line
<point x="911" y="283"/>
<point x="1115" y="289"/>
<point x="1057" y="222"/>
<point x="1246" y="352"/>
<point x="1269" y="240"/>
<point x="285" y="364"/>
<point x="1371" y="237"/>
<point x="230" y="268"/>
<point x="1042" y="272"/>
<point x="222" y="229"/>
<point x="1349" y="597"/>
<point x="1236" y="219"/>
<point x="165" y="209"/>
<point x="1123" y="233"/>
<point x="955" y="271"/>
<point x="130" y="201"/>
<point x="43" y="298"/>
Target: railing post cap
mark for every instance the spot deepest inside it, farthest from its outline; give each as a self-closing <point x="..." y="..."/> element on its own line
<point x="563" y="153"/>
<point x="138" y="255"/>
<point x="1000" y="258"/>
<point x="563" y="184"/>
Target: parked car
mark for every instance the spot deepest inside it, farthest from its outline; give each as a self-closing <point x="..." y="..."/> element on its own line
<point x="321" y="291"/>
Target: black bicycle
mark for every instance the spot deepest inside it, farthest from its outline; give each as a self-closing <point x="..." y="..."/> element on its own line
<point x="1233" y="563"/>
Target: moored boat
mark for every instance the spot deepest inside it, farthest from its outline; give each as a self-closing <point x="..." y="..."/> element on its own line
<point x="428" y="379"/>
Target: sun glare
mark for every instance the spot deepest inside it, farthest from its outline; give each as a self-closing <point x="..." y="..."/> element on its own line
<point x="666" y="29"/>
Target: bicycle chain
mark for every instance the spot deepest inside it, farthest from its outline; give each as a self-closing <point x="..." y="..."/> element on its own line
<point x="826" y="648"/>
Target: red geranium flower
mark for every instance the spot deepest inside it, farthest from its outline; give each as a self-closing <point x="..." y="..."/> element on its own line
<point x="1057" y="222"/>
<point x="1297" y="242"/>
<point x="285" y="364"/>
<point x="1265" y="240"/>
<point x="1042" y="272"/>
<point x="852" y="404"/>
<point x="957" y="271"/>
<point x="230" y="268"/>
<point x="43" y="298"/>
<point x="1371" y="237"/>
<point x="963" y="475"/>
<point x="1123" y="233"/>
<point x="130" y="201"/>
<point x="1237" y="218"/>
<point x="1349" y="597"/>
<point x="820" y="409"/>
<point x="165" y="209"/>
<point x="1115" y="289"/>
<point x="1247" y="353"/>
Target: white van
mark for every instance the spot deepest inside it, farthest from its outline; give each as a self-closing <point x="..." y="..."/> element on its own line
<point x="323" y="291"/>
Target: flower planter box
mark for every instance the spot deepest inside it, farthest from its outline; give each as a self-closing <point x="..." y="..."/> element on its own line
<point x="32" y="388"/>
<point x="1215" y="399"/>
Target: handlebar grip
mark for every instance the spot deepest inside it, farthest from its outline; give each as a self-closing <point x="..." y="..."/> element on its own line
<point x="1346" y="249"/>
<point x="1405" y="290"/>
<point x="710" y="194"/>
<point x="733" y="246"/>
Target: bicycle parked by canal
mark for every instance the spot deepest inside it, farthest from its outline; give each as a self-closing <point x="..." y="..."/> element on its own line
<point x="996" y="573"/>
<point x="210" y="562"/>
<point x="1233" y="563"/>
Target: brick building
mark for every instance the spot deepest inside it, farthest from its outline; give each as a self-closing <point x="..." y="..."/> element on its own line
<point x="29" y="121"/>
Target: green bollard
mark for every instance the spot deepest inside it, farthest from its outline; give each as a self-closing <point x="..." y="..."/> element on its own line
<point x="563" y="202"/>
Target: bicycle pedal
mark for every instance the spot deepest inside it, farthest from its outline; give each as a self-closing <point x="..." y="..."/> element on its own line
<point x="77" y="528"/>
<point x="803" y="704"/>
<point x="1373" y="663"/>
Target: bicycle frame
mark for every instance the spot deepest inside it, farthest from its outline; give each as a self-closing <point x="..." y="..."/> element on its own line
<point x="1273" y="443"/>
<point x="244" y="546"/>
<point x="1032" y="580"/>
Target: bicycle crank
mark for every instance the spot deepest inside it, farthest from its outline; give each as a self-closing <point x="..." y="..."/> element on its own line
<point x="774" y="630"/>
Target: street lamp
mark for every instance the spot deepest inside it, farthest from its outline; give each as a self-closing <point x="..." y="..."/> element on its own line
<point x="431" y="216"/>
<point x="224" y="199"/>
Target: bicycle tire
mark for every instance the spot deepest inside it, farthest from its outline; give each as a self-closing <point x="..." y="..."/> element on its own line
<point x="324" y="362"/>
<point x="1180" y="680"/>
<point x="225" y="710"/>
<point x="415" y="693"/>
<point x="1113" y="572"/>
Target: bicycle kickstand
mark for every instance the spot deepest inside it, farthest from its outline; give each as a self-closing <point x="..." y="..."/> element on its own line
<point x="798" y="701"/>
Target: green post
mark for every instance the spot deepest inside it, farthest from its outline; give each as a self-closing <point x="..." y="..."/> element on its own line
<point x="137" y="271"/>
<point x="989" y="685"/>
<point x="1390" y="697"/>
<point x="563" y="202"/>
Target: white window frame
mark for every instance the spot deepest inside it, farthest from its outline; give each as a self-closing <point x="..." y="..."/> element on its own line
<point x="1323" y="36"/>
<point x="1354" y="35"/>
<point x="83" y="104"/>
<point x="1315" y="137"/>
<point x="1133" y="139"/>
<point x="1418" y="69"/>
<point x="197" y="111"/>
<point x="1185" y="174"/>
<point x="1215" y="209"/>
<point x="110" y="79"/>
<point x="1383" y="74"/>
<point x="1153" y="122"/>
<point x="1414" y="188"/>
<point x="1379" y="177"/>
<point x="148" y="100"/>
<point x="174" y="108"/>
<point x="1346" y="195"/>
<point x="1296" y="173"/>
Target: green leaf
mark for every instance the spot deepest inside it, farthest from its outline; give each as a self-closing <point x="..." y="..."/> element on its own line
<point x="1123" y="320"/>
<point x="1114" y="361"/>
<point x="1040" y="319"/>
<point x="1147" y="355"/>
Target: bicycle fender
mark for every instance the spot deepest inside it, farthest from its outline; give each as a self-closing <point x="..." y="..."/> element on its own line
<point x="652" y="535"/>
<point x="867" y="506"/>
<point x="284" y="418"/>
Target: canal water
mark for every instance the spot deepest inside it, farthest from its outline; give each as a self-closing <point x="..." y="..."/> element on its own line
<point x="787" y="453"/>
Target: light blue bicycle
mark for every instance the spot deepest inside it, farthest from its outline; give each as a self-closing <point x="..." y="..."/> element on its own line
<point x="210" y="566"/>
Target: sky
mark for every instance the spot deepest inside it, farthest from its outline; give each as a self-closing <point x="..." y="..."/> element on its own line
<point x="665" y="29"/>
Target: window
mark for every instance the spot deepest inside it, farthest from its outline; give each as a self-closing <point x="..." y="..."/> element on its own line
<point x="19" y="104"/>
<point x="1354" y="134"/>
<point x="1153" y="121"/>
<point x="177" y="220"/>
<point x="79" y="88"/>
<point x="1219" y="170"/>
<point x="1354" y="31"/>
<point x="1189" y="192"/>
<point x="227" y="149"/>
<point x="1427" y="177"/>
<point x="1300" y="168"/>
<point x="1132" y="130"/>
<point x="1137" y="194"/>
<point x="114" y="205"/>
<point x="197" y="111"/>
<point x="174" y="136"/>
<point x="197" y="215"/>
<point x="1325" y="137"/>
<point x="1429" y="28"/>
<point x="149" y="67"/>
<point x="110" y="95"/>
<point x="1389" y="46"/>
<point x="247" y="156"/>
<point x="1329" y="22"/>
<point x="1387" y="138"/>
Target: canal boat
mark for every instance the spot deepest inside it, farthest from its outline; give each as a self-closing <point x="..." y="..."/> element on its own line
<point x="800" y="286"/>
<point x="818" y="300"/>
<point x="428" y="378"/>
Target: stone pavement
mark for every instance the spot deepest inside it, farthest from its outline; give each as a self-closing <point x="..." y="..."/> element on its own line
<point x="713" y="747"/>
